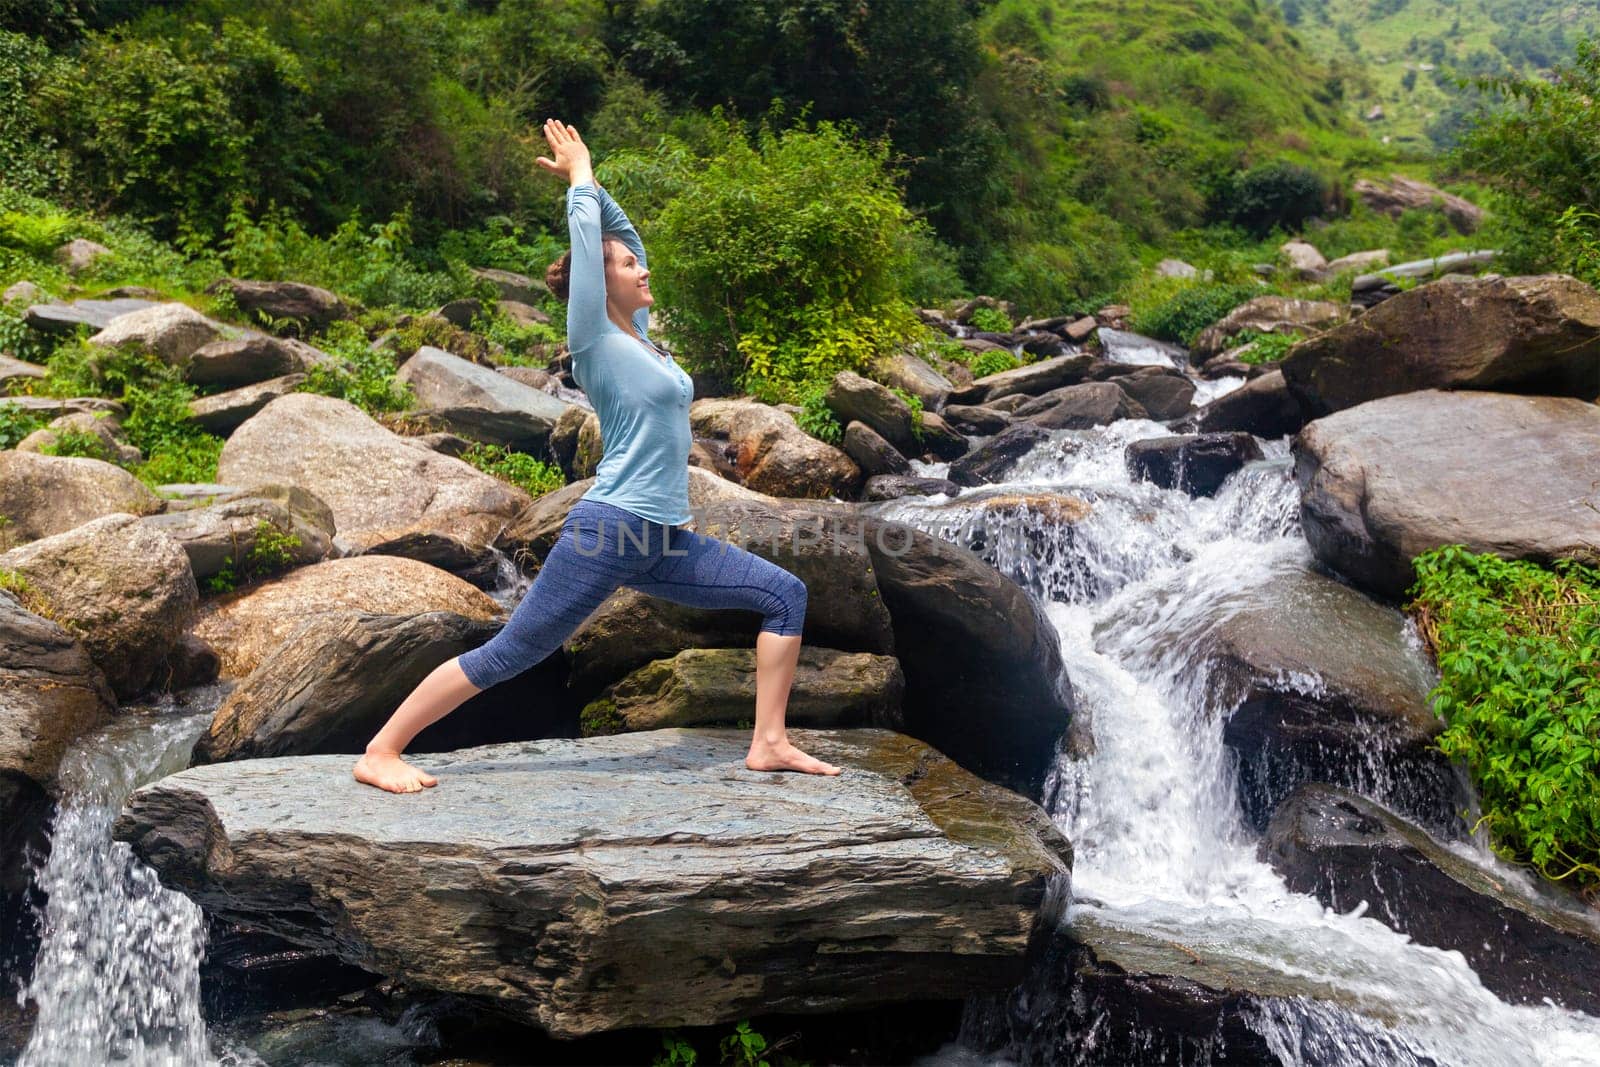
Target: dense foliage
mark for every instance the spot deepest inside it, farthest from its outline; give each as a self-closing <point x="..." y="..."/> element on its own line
<point x="1518" y="648"/>
<point x="1540" y="156"/>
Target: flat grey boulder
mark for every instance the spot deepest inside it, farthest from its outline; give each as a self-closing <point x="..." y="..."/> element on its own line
<point x="47" y="495"/>
<point x="122" y="588"/>
<point x="645" y="879"/>
<point x="1081" y="407"/>
<point x="16" y="370"/>
<point x="479" y="402"/>
<point x="1524" y="944"/>
<point x="717" y="686"/>
<point x="854" y="398"/>
<point x="1536" y="334"/>
<point x="378" y="486"/>
<point x="251" y="359"/>
<point x="65" y="318"/>
<point x="1385" y="481"/>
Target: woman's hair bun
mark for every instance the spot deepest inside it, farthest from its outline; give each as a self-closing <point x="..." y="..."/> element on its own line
<point x="558" y="276"/>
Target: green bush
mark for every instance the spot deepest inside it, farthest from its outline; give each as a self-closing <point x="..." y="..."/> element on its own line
<point x="1268" y="347"/>
<point x="272" y="551"/>
<point x="77" y="443"/>
<point x="16" y="422"/>
<point x="992" y="362"/>
<point x="784" y="261"/>
<point x="816" y="417"/>
<point x="31" y="162"/>
<point x="533" y="476"/>
<point x="1276" y="194"/>
<point x="990" y="320"/>
<point x="1191" y="308"/>
<point x="1537" y="154"/>
<point x="365" y="376"/>
<point x="1518" y="648"/>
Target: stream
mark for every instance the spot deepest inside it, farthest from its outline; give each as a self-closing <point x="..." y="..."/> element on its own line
<point x="1161" y="847"/>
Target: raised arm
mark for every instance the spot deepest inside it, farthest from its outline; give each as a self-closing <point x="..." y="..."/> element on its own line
<point x="586" y="295"/>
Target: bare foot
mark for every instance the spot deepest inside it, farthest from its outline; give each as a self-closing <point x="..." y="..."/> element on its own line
<point x="785" y="757"/>
<point x="388" y="771"/>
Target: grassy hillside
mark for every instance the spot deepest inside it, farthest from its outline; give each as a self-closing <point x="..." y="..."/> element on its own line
<point x="1401" y="55"/>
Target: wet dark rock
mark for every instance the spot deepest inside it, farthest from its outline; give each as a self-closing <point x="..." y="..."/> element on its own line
<point x="1162" y="395"/>
<point x="872" y="453"/>
<point x="976" y="418"/>
<point x="893" y="486"/>
<point x="991" y="461"/>
<point x="1081" y="407"/>
<point x="985" y="682"/>
<point x="644" y="879"/>
<point x="1197" y="464"/>
<point x="1262" y="406"/>
<point x="1344" y="849"/>
<point x="940" y="440"/>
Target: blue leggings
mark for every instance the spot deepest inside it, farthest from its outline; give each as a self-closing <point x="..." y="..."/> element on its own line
<point x="602" y="547"/>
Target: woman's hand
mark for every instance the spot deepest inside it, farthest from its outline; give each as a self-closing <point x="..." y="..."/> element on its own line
<point x="571" y="161"/>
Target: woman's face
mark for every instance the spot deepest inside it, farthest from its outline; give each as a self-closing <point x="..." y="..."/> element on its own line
<point x="627" y="283"/>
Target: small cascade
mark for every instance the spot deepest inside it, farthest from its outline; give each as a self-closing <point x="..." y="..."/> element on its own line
<point x="117" y="978"/>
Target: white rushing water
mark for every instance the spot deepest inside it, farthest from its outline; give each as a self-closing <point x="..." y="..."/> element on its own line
<point x="1133" y="589"/>
<point x="117" y="979"/>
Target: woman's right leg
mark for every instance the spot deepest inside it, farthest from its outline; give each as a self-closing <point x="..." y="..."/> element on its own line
<point x="587" y="564"/>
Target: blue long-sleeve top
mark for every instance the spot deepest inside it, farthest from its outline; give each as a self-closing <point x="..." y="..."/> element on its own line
<point x="641" y="396"/>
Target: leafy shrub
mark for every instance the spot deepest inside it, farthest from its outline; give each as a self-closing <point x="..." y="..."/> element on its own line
<point x="1536" y="153"/>
<point x="27" y="150"/>
<point x="1191" y="309"/>
<point x="523" y="345"/>
<point x="816" y="417"/>
<point x="366" y="376"/>
<point x="1276" y="194"/>
<point x="77" y="443"/>
<point x="16" y="422"/>
<point x="992" y="362"/>
<point x="784" y="261"/>
<point x="532" y="475"/>
<point x="1518" y="648"/>
<point x="914" y="402"/>
<point x="1266" y="347"/>
<point x="990" y="320"/>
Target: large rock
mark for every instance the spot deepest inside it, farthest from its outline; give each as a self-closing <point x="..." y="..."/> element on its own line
<point x="225" y="533"/>
<point x="915" y="375"/>
<point x="122" y="588"/>
<point x="871" y="452"/>
<point x="1345" y="850"/>
<point x="1383" y="482"/>
<point x="1197" y="464"/>
<point x="335" y="680"/>
<point x="1162" y="394"/>
<point x="15" y="371"/>
<point x="311" y="308"/>
<point x="1081" y="407"/>
<point x="380" y="488"/>
<point x="222" y="413"/>
<point x="65" y="319"/>
<point x="1320" y="683"/>
<point x="51" y="693"/>
<point x="771" y="453"/>
<point x="251" y="359"/>
<point x="103" y="425"/>
<point x="1536" y="334"/>
<point x="1262" y="406"/>
<point x="645" y="879"/>
<point x="995" y="458"/>
<point x="244" y="627"/>
<point x="1399" y="194"/>
<point x="854" y="398"/>
<point x="46" y="495"/>
<point x="173" y="331"/>
<point x="1031" y="378"/>
<point x="480" y="403"/>
<point x="985" y="682"/>
<point x="717" y="686"/>
<point x="1266" y="314"/>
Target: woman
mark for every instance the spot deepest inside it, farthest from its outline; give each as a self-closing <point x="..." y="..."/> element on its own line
<point x="627" y="528"/>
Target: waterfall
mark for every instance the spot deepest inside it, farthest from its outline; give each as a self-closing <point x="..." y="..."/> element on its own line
<point x="1133" y="589"/>
<point x="117" y="979"/>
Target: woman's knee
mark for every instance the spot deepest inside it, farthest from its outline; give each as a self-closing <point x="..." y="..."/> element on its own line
<point x="789" y="615"/>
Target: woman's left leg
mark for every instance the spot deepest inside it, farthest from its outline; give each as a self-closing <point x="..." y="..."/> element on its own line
<point x="703" y="571"/>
